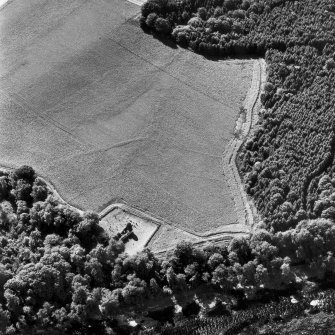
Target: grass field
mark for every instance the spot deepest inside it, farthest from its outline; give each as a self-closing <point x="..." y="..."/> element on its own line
<point x="109" y="114"/>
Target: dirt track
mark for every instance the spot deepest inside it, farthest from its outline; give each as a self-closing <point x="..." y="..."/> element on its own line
<point x="162" y="241"/>
<point x="108" y="113"/>
<point x="137" y="2"/>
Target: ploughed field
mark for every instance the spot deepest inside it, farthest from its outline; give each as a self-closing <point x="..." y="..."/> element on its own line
<point x="109" y="114"/>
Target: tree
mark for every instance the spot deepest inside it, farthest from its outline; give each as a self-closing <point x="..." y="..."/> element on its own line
<point x="114" y="249"/>
<point x="171" y="277"/>
<point x="202" y="13"/>
<point x="215" y="260"/>
<point x="24" y="172"/>
<point x="5" y="275"/>
<point x="248" y="274"/>
<point x="39" y="190"/>
<point x="195" y="22"/>
<point x="264" y="252"/>
<point x="262" y="276"/>
<point x="162" y="26"/>
<point x="151" y="6"/>
<point x="143" y="264"/>
<point x="183" y="254"/>
<point x="241" y="247"/>
<point x="22" y="190"/>
<point x="231" y="4"/>
<point x="88" y="229"/>
<point x="94" y="269"/>
<point x="4" y="187"/>
<point x="330" y="64"/>
<point x="44" y="315"/>
<point x="224" y="277"/>
<point x="4" y="320"/>
<point x="155" y="289"/>
<point x="110" y="302"/>
<point x="134" y="291"/>
<point x="151" y="20"/>
<point x="7" y="218"/>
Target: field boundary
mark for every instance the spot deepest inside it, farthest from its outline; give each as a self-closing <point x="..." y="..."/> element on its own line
<point x="224" y="238"/>
<point x="137" y="2"/>
<point x="245" y="210"/>
<point x="131" y="210"/>
<point x="215" y="236"/>
<point x="50" y="186"/>
<point x="244" y="207"/>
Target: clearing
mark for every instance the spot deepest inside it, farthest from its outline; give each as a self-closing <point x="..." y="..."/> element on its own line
<point x="114" y="219"/>
<point x="111" y="115"/>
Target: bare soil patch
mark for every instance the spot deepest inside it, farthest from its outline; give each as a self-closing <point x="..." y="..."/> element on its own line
<point x="109" y="114"/>
<point x="115" y="220"/>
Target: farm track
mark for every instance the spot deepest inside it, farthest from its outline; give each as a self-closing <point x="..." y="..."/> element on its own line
<point x="213" y="238"/>
<point x="137" y="2"/>
<point x="244" y="207"/>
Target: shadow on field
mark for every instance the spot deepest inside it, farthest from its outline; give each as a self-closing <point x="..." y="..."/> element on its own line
<point x="242" y="57"/>
<point x="166" y="40"/>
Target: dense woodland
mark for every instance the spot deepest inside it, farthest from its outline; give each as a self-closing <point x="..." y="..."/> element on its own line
<point x="59" y="270"/>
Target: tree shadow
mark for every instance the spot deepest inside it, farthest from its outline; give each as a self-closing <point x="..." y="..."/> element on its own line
<point x="166" y="40"/>
<point x="243" y="56"/>
<point x="212" y="58"/>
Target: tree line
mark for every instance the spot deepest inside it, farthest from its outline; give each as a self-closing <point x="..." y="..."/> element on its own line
<point x="60" y="271"/>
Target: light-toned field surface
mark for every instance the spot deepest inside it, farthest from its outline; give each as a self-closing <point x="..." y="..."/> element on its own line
<point x="168" y="236"/>
<point x="137" y="2"/>
<point x="116" y="220"/>
<point x="110" y="114"/>
<point x="2" y="3"/>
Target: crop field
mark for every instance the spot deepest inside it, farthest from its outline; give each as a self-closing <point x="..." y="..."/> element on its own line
<point x="110" y="114"/>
